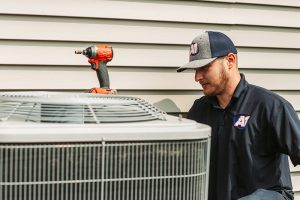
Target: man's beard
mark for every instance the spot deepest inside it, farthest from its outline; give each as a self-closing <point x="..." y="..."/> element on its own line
<point x="219" y="87"/>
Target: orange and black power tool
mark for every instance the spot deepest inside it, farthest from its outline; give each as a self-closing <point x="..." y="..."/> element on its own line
<point x="99" y="56"/>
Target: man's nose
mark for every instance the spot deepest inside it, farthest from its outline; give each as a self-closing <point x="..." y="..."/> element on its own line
<point x="198" y="75"/>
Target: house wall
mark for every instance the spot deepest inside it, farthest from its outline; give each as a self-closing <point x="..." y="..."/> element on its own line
<point x="150" y="40"/>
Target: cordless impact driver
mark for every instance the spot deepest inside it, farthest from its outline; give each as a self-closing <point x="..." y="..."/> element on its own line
<point x="99" y="56"/>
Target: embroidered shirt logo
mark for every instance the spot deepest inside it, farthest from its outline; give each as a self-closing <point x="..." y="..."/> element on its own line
<point x="240" y="121"/>
<point x="194" y="49"/>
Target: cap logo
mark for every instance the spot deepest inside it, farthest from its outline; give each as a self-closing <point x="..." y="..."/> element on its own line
<point x="194" y="49"/>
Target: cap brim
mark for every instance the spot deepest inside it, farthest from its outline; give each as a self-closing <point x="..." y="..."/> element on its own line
<point x="196" y="64"/>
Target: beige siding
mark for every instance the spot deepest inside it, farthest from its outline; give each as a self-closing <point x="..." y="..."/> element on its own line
<point x="150" y="40"/>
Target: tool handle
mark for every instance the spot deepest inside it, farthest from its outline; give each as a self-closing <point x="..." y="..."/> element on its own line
<point x="102" y="74"/>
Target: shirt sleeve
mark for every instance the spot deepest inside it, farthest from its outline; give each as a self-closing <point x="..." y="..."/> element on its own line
<point x="192" y="114"/>
<point x="286" y="126"/>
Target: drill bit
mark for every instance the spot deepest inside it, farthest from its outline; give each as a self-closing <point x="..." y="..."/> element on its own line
<point x="78" y="51"/>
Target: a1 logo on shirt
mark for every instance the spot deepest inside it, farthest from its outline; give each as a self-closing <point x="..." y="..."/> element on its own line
<point x="240" y="121"/>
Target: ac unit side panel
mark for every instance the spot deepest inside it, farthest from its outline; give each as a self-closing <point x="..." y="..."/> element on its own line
<point x="113" y="170"/>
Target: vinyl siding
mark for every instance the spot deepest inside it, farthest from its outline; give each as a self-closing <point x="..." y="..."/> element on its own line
<point x="150" y="40"/>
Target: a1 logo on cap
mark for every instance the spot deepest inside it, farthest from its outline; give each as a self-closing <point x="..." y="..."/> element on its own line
<point x="194" y="49"/>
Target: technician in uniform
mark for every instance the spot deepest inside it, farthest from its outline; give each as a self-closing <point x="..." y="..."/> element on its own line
<point x="253" y="129"/>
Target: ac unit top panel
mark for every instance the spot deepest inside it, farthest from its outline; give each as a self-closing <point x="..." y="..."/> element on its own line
<point x="172" y="128"/>
<point x="31" y="117"/>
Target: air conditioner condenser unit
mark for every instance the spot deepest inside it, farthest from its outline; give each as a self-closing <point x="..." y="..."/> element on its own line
<point x="76" y="146"/>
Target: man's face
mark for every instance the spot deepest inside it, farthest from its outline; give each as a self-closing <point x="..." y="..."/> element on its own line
<point x="212" y="77"/>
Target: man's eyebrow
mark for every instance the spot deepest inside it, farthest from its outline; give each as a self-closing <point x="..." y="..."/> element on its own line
<point x="208" y="65"/>
<point x="203" y="67"/>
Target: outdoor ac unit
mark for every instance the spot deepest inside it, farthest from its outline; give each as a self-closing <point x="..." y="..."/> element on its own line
<point x="75" y="146"/>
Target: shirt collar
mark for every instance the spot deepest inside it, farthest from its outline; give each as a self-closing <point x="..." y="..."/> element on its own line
<point x="243" y="84"/>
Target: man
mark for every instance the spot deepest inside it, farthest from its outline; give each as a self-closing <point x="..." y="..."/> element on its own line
<point x="253" y="129"/>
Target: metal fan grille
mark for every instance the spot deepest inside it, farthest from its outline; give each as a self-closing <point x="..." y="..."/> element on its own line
<point x="47" y="107"/>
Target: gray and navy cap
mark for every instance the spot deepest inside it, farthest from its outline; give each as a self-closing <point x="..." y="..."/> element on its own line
<point x="207" y="47"/>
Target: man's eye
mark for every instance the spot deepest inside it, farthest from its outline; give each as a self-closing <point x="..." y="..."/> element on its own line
<point x="205" y="67"/>
<point x="202" y="68"/>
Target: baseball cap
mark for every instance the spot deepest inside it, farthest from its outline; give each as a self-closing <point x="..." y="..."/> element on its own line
<point x="207" y="47"/>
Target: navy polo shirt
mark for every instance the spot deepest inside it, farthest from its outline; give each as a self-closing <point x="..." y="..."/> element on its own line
<point x="251" y="139"/>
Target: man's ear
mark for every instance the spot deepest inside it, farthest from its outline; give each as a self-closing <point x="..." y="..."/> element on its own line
<point x="231" y="58"/>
